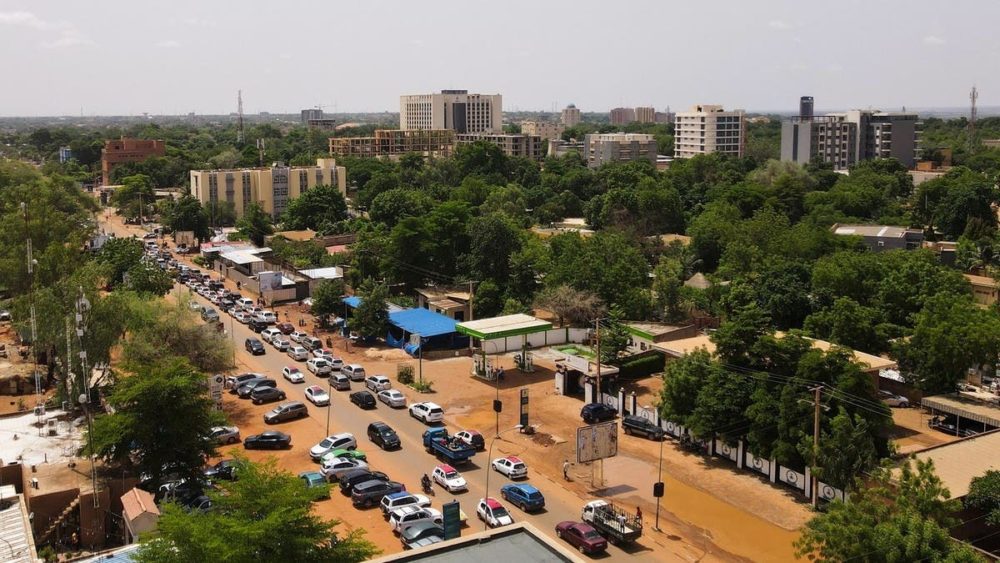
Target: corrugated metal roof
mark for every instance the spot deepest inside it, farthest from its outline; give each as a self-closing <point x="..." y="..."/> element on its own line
<point x="15" y="529"/>
<point x="957" y="463"/>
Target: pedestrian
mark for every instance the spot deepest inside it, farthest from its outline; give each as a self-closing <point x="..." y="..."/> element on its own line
<point x="638" y="513"/>
<point x="566" y="470"/>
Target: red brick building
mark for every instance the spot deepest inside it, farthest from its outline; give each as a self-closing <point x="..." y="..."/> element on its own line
<point x="116" y="152"/>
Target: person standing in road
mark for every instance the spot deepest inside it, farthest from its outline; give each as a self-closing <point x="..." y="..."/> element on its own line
<point x="566" y="469"/>
<point x="638" y="513"/>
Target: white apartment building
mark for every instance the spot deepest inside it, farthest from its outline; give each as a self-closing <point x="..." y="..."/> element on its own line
<point x="619" y="147"/>
<point x="570" y="116"/>
<point x="706" y="129"/>
<point x="455" y="110"/>
<point x="544" y="129"/>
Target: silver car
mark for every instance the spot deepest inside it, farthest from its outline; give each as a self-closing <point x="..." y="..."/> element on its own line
<point x="893" y="400"/>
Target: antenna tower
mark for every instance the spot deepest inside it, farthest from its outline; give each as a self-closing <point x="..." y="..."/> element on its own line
<point x="239" y="111"/>
<point x="973" y="96"/>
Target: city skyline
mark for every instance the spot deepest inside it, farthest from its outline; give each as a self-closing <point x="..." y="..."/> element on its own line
<point x="67" y="58"/>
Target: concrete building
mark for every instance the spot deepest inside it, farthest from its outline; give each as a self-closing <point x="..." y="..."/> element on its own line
<point x="645" y="114"/>
<point x="309" y="114"/>
<point x="844" y="139"/>
<point x="388" y="143"/>
<point x="140" y="513"/>
<point x="544" y="129"/>
<point x="570" y="116"/>
<point x="705" y="129"/>
<point x="271" y="187"/>
<point x="527" y="146"/>
<point x="619" y="147"/>
<point x="559" y="148"/>
<point x="984" y="289"/>
<point x="879" y="238"/>
<point x="454" y="304"/>
<point x="124" y="150"/>
<point x="622" y="116"/>
<point x="65" y="154"/>
<point x="663" y="117"/>
<point x="457" y="110"/>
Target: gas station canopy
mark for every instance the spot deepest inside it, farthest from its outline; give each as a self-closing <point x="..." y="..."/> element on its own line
<point x="502" y="327"/>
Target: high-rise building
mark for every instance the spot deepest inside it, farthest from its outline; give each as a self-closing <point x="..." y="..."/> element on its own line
<point x="311" y="113"/>
<point x="544" y="129"/>
<point x="844" y="139"/>
<point x="457" y="110"/>
<point x="570" y="116"/>
<point x="390" y="143"/>
<point x="271" y="187"/>
<point x="124" y="150"/>
<point x="645" y="114"/>
<point x="706" y="129"/>
<point x="65" y="154"/>
<point x="619" y="147"/>
<point x="622" y="116"/>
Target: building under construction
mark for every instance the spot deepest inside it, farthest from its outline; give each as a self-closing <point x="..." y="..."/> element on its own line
<point x="389" y="143"/>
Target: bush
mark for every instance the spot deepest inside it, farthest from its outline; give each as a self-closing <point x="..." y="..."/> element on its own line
<point x="199" y="260"/>
<point x="426" y="387"/>
<point x="641" y="367"/>
<point x="404" y="374"/>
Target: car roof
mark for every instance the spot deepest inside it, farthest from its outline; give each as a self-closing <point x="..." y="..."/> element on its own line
<point x="446" y="468"/>
<point x="273" y="433"/>
<point x="314" y="388"/>
<point x="292" y="368"/>
<point x="523" y="487"/>
<point x="493" y="503"/>
<point x="312" y="474"/>
<point x="513" y="459"/>
<point x="400" y="494"/>
<point x="472" y="432"/>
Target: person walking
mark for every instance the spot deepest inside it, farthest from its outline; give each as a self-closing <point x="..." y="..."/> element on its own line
<point x="638" y="513"/>
<point x="566" y="469"/>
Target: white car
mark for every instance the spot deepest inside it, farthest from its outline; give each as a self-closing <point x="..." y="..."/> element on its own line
<point x="298" y="353"/>
<point x="266" y="317"/>
<point x="427" y="412"/>
<point x="293" y="374"/>
<point x="319" y="366"/>
<point x="224" y="434"/>
<point x="324" y="353"/>
<point x="377" y="383"/>
<point x="280" y="343"/>
<point x="402" y="518"/>
<point x="334" y="468"/>
<point x="242" y="317"/>
<point x="354" y="371"/>
<point x="449" y="478"/>
<point x="395" y="501"/>
<point x="269" y="333"/>
<point x="297" y="336"/>
<point x="344" y="440"/>
<point x="511" y="466"/>
<point x="317" y="395"/>
<point x="392" y="397"/>
<point x="490" y="510"/>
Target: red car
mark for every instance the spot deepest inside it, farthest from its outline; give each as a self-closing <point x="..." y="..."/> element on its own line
<point x="285" y="328"/>
<point x="581" y="536"/>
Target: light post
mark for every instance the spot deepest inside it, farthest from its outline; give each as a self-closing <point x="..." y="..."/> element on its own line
<point x="420" y="361"/>
<point x="84" y="400"/>
<point x="329" y="402"/>
<point x="489" y="468"/>
<point x="658" y="487"/>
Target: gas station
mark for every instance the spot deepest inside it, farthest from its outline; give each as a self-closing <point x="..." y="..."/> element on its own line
<point x="502" y="334"/>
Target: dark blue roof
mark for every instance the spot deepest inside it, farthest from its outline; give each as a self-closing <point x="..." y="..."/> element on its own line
<point x="423" y="322"/>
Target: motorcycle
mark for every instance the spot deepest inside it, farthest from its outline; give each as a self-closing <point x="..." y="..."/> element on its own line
<point x="425" y="483"/>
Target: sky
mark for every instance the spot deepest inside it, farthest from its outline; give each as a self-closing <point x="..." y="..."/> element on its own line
<point x="127" y="57"/>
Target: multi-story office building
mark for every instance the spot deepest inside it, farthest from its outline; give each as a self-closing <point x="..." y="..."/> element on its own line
<point x="65" y="154"/>
<point x="310" y="114"/>
<point x="619" y="147"/>
<point x="645" y="114"/>
<point x="570" y="116"/>
<point x="527" y="146"/>
<point x="271" y="187"/>
<point x="457" y="110"/>
<point x="622" y="116"/>
<point x="844" y="139"/>
<point x="544" y="129"/>
<point x="389" y="143"/>
<point x="663" y="116"/>
<point x="559" y="148"/>
<point x="128" y="150"/>
<point x="706" y="129"/>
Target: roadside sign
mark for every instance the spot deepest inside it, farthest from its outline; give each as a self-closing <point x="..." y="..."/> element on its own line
<point x="215" y="385"/>
<point x="596" y="441"/>
<point x="452" y="519"/>
<point x="524" y="408"/>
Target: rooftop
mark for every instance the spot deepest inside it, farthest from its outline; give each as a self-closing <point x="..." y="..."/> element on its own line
<point x="20" y="437"/>
<point x="136" y="502"/>
<point x="958" y="462"/>
<point x="981" y="281"/>
<point x="966" y="407"/>
<point x="519" y="542"/>
<point x="882" y="231"/>
<point x="650" y="330"/>
<point x="331" y="273"/>
<point x="499" y="327"/>
<point x="15" y="529"/>
<point x="300" y="236"/>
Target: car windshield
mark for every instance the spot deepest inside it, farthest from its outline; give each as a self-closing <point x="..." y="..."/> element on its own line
<point x="534" y="496"/>
<point x="326" y="443"/>
<point x="388" y="433"/>
<point x="451" y="475"/>
<point x="499" y="512"/>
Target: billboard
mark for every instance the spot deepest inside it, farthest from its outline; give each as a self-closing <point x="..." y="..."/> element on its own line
<point x="269" y="281"/>
<point x="215" y="385"/>
<point x="596" y="441"/>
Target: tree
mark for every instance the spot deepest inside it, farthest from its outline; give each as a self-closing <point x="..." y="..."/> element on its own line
<point x="316" y="206"/>
<point x="614" y="336"/>
<point x="160" y="424"/>
<point x="371" y="318"/>
<point x="667" y="284"/>
<point x="984" y="494"/>
<point x="264" y="515"/>
<point x="120" y="255"/>
<point x="255" y="224"/>
<point x="571" y="305"/>
<point x="847" y="450"/>
<point x="135" y="196"/>
<point x="186" y="214"/>
<point x="391" y="206"/>
<point x="326" y="299"/>
<point x="682" y="378"/>
<point x="492" y="241"/>
<point x="849" y="324"/>
<point x="147" y="277"/>
<point x="158" y="331"/>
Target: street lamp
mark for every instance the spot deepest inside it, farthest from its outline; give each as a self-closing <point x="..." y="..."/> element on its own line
<point x="489" y="462"/>
<point x="329" y="401"/>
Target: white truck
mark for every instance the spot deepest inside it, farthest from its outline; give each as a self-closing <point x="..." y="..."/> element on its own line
<point x="613" y="522"/>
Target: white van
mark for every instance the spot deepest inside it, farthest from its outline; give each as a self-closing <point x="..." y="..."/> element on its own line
<point x="354" y="371"/>
<point x="244" y="303"/>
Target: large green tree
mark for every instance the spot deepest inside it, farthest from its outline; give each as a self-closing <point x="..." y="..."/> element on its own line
<point x="255" y="224"/>
<point x="316" y="207"/>
<point x="326" y="299"/>
<point x="984" y="494"/>
<point x="134" y="198"/>
<point x="371" y="318"/>
<point x="120" y="255"/>
<point x="186" y="214"/>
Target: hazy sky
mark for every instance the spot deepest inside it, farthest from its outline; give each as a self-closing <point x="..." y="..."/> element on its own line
<point x="127" y="57"/>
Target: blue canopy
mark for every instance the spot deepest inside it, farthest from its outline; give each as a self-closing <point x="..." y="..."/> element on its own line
<point x="423" y="322"/>
<point x="353" y="301"/>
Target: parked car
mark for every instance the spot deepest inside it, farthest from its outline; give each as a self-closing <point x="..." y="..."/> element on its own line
<point x="421" y="535"/>
<point x="582" y="536"/>
<point x="511" y="466"/>
<point x="285" y="328"/>
<point x="234" y="381"/>
<point x="286" y="411"/>
<point x="244" y="302"/>
<point x="224" y="469"/>
<point x="340" y="382"/>
<point x="261" y="395"/>
<point x="472" y="438"/>
<point x="297" y="336"/>
<point x="351" y="478"/>
<point x="427" y="412"/>
<point x="354" y="371"/>
<point x="382" y="435"/>
<point x="247" y="388"/>
<point x="194" y="306"/>
<point x="298" y="353"/>
<point x="318" y="366"/>
<point x="449" y="478"/>
<point x="268" y="317"/>
<point x="311" y="343"/>
<point x="637" y="425"/>
<point x="597" y="412"/>
<point x="377" y="383"/>
<point x="363" y="399"/>
<point x="346" y="454"/>
<point x="398" y="500"/>
<point x="317" y="395"/>
<point x="333" y="468"/>
<point x="257" y="326"/>
<point x="370" y="493"/>
<point x="402" y="518"/>
<point x="254" y="346"/>
<point x="393" y="398"/>
<point x="271" y="439"/>
<point x="280" y="343"/>
<point x="315" y="480"/>
<point x="293" y="374"/>
<point x="343" y="440"/>
<point x="224" y="434"/>
<point x="523" y="495"/>
<point x="268" y="333"/>
<point x="893" y="400"/>
<point x="209" y="314"/>
<point x="490" y="510"/>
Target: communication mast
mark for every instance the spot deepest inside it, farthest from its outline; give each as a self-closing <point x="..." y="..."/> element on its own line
<point x="239" y="112"/>
<point x="973" y="96"/>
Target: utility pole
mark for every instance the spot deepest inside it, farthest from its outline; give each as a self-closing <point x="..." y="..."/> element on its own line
<point x="815" y="457"/>
<point x="597" y="330"/>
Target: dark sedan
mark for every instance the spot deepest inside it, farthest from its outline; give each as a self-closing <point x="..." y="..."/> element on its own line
<point x="270" y="440"/>
<point x="263" y="395"/>
<point x="597" y="412"/>
<point x="581" y="536"/>
<point x="363" y="399"/>
<point x="225" y="469"/>
<point x="254" y="346"/>
<point x="355" y="476"/>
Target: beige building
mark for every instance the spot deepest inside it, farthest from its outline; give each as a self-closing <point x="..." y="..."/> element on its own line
<point x="271" y="187"/>
<point x="139" y="512"/>
<point x="984" y="289"/>
<point x="706" y="129"/>
<point x="619" y="147"/>
<point x="570" y="116"/>
<point x="622" y="116"/>
<point x="457" y="110"/>
<point x="645" y="114"/>
<point x="527" y="146"/>
<point x="389" y="143"/>
<point x="544" y="129"/>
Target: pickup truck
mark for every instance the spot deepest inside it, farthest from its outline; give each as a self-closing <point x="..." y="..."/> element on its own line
<point x="450" y="449"/>
<point x="613" y="522"/>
